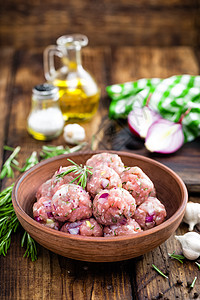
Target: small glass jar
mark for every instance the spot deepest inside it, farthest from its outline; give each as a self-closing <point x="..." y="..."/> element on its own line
<point x="45" y="121"/>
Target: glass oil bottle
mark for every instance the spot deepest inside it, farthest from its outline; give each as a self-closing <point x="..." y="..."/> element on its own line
<point x="78" y="90"/>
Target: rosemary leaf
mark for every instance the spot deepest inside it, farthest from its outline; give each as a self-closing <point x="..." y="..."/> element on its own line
<point x="76" y="169"/>
<point x="193" y="283"/>
<point x="197" y="264"/>
<point x="160" y="272"/>
<point x="30" y="246"/>
<point x="176" y="256"/>
<point x="30" y="162"/>
<point x="5" y="195"/>
<point x="7" y="170"/>
<point x="51" y="151"/>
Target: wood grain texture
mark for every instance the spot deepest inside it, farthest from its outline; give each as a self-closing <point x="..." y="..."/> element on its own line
<point x="56" y="277"/>
<point x="107" y="22"/>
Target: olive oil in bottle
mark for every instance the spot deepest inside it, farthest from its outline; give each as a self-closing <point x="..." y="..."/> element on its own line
<point x="79" y="93"/>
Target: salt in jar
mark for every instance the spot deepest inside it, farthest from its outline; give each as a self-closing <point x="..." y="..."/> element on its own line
<point x="45" y="121"/>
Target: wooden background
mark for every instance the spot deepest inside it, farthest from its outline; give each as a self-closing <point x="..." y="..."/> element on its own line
<point x="28" y="23"/>
<point x="128" y="40"/>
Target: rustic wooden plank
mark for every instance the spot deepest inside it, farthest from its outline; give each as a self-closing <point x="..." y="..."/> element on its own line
<point x="6" y="78"/>
<point x="55" y="277"/>
<point x="121" y="23"/>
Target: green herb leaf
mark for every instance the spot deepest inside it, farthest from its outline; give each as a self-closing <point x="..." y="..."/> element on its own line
<point x="30" y="162"/>
<point x="197" y="264"/>
<point x="160" y="272"/>
<point x="193" y="283"/>
<point x="51" y="151"/>
<point x="176" y="256"/>
<point x="81" y="170"/>
<point x="30" y="246"/>
<point x="7" y="170"/>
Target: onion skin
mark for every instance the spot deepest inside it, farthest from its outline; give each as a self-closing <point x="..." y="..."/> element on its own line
<point x="164" y="136"/>
<point x="140" y="119"/>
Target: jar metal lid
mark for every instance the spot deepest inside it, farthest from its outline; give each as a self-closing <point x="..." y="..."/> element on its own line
<point x="45" y="90"/>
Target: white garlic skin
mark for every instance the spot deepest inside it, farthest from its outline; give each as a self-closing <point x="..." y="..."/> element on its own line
<point x="190" y="243"/>
<point x="192" y="215"/>
<point x="74" y="133"/>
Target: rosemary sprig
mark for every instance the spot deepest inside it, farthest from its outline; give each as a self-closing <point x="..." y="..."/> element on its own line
<point x="176" y="256"/>
<point x="30" y="162"/>
<point x="197" y="264"/>
<point x="5" y="195"/>
<point x="80" y="170"/>
<point x="160" y="272"/>
<point x="51" y="151"/>
<point x="7" y="170"/>
<point x="8" y="219"/>
<point x="193" y="283"/>
<point x="30" y="246"/>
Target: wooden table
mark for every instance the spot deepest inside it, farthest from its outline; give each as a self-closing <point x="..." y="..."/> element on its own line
<point x="56" y="277"/>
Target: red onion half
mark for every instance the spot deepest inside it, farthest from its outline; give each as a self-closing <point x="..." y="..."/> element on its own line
<point x="140" y="119"/>
<point x="164" y="136"/>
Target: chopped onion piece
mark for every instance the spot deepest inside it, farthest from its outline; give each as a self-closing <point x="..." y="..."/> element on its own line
<point x="74" y="230"/>
<point x="164" y="136"/>
<point x="149" y="218"/>
<point x="104" y="183"/>
<point x="140" y="119"/>
<point x="104" y="195"/>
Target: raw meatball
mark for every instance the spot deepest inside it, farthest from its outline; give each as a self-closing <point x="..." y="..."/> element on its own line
<point x="42" y="209"/>
<point x="71" y="203"/>
<point x="150" y="213"/>
<point x="112" y="206"/>
<point x="45" y="190"/>
<point x="88" y="227"/>
<point x="42" y="213"/>
<point x="56" y="181"/>
<point x="124" y="228"/>
<point x="137" y="183"/>
<point x="103" y="178"/>
<point x="109" y="159"/>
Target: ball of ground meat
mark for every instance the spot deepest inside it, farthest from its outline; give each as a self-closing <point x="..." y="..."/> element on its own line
<point x="150" y="213"/>
<point x="45" y="190"/>
<point x="109" y="159"/>
<point x="112" y="206"/>
<point x="103" y="178"/>
<point x="124" y="228"/>
<point x="57" y="180"/>
<point x="137" y="183"/>
<point x="42" y="209"/>
<point x="71" y="203"/>
<point x="42" y="213"/>
<point x="88" y="227"/>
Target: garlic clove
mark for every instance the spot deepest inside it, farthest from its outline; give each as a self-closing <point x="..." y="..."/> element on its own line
<point x="190" y="243"/>
<point x="74" y="133"/>
<point x="192" y="214"/>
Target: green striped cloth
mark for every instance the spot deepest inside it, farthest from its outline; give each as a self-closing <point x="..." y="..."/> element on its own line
<point x="171" y="97"/>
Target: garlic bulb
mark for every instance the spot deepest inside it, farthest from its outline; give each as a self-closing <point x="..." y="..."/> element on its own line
<point x="190" y="243"/>
<point x="74" y="133"/>
<point x="192" y="215"/>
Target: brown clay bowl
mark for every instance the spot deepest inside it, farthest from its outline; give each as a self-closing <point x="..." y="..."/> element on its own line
<point x="170" y="190"/>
